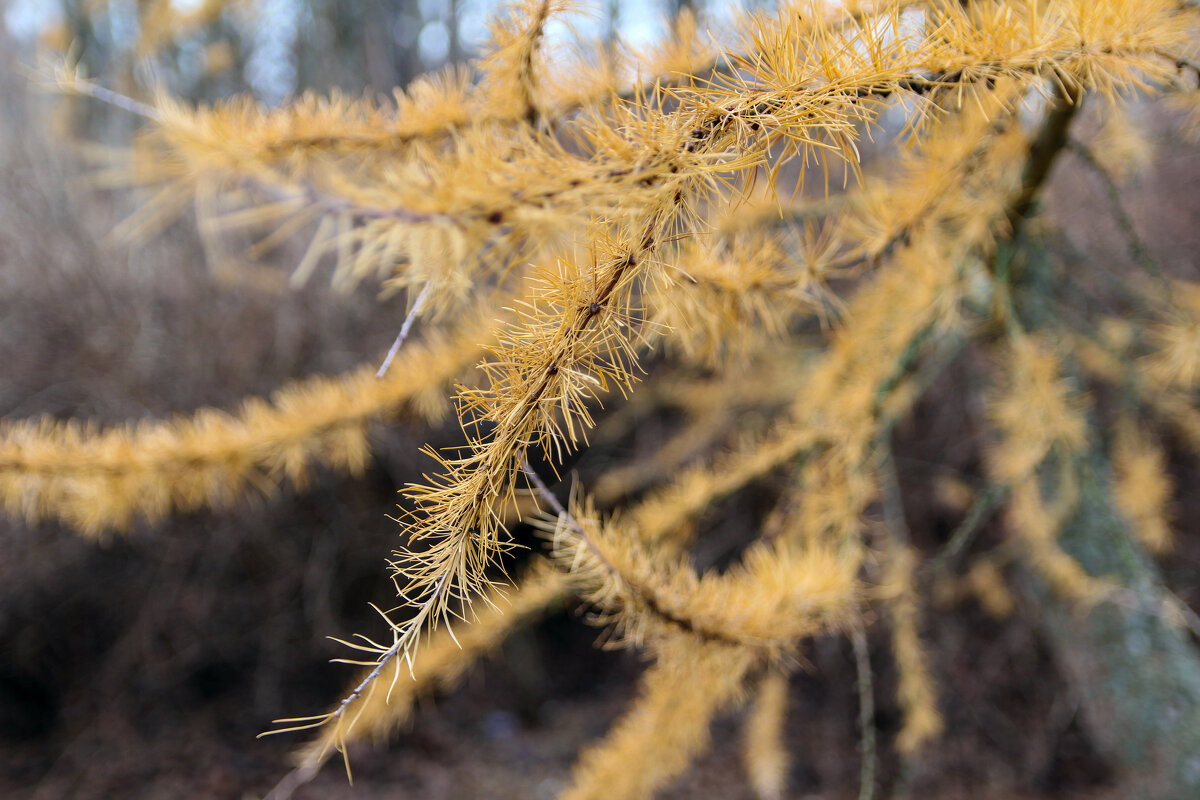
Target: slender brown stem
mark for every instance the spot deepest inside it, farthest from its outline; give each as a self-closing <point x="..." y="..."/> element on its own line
<point x="866" y="713"/>
<point x="1138" y="250"/>
<point x="1043" y="153"/>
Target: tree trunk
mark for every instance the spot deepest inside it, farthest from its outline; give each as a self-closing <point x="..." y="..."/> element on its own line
<point x="1137" y="676"/>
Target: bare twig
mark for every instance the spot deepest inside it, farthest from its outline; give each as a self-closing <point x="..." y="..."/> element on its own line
<point x="543" y="493"/>
<point x="1138" y="250"/>
<point x="1043" y="152"/>
<point x="1181" y="63"/>
<point x="76" y="85"/>
<point x="866" y="713"/>
<point x="418" y="304"/>
<point x="981" y="511"/>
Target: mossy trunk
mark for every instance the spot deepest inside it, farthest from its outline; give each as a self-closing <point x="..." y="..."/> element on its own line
<point x="1137" y="676"/>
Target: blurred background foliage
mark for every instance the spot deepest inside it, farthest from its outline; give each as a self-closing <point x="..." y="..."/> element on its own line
<point x="275" y="49"/>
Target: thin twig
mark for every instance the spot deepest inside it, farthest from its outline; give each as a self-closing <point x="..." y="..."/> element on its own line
<point x="543" y="493"/>
<point x="1181" y="63"/>
<point x="86" y="88"/>
<point x="405" y="328"/>
<point x="1138" y="250"/>
<point x="892" y="498"/>
<point x="980" y="512"/>
<point x="866" y="713"/>
<point x="301" y="775"/>
<point x="405" y="637"/>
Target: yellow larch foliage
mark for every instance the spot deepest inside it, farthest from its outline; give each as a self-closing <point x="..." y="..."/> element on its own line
<point x="685" y="55"/>
<point x="984" y="582"/>
<point x="1141" y="486"/>
<point x="859" y="385"/>
<point x="1037" y="411"/>
<point x="1189" y="103"/>
<point x="763" y="751"/>
<point x="434" y="208"/>
<point x="99" y="479"/>
<point x="1037" y="524"/>
<point x="1157" y="380"/>
<point x="779" y="593"/>
<point x="458" y="216"/>
<point x="1174" y="361"/>
<point x="840" y="403"/>
<point x="722" y="299"/>
<point x="918" y="698"/>
<point x="510" y="70"/>
<point x="383" y="714"/>
<point x="668" y="723"/>
<point x="1102" y="356"/>
<point x="1121" y="146"/>
<point x="570" y="342"/>
<point x="953" y="492"/>
<point x="849" y="386"/>
<point x="659" y="516"/>
<point x="1040" y="418"/>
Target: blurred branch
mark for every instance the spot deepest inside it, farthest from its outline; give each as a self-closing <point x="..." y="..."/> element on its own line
<point x="866" y="713"/>
<point x="1138" y="250"/>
